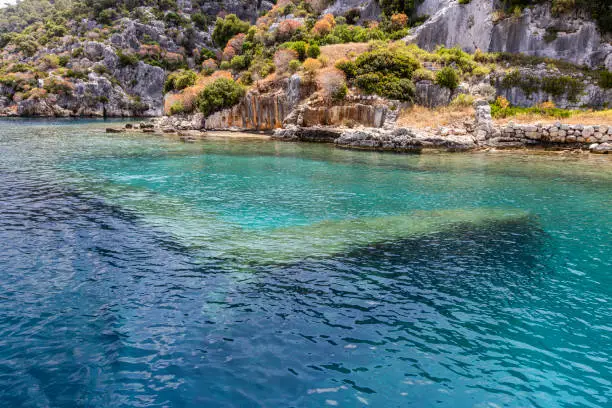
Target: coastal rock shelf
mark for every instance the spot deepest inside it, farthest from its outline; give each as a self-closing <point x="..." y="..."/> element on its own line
<point x="595" y="138"/>
<point x="482" y="133"/>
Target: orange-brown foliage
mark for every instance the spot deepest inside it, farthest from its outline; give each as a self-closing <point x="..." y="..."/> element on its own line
<point x="324" y="26"/>
<point x="282" y="58"/>
<point x="399" y="21"/>
<point x="329" y="81"/>
<point x="286" y="29"/>
<point x="234" y="46"/>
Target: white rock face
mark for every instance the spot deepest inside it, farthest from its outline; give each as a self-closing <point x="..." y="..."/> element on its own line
<point x="370" y="10"/>
<point x="471" y="27"/>
<point x="468" y="26"/>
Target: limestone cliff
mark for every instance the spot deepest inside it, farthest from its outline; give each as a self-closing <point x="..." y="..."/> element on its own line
<point x="536" y="32"/>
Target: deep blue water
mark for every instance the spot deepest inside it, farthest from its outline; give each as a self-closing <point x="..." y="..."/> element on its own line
<point x="138" y="271"/>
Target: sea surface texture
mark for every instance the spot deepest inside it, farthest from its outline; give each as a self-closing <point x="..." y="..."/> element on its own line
<point x="139" y="271"/>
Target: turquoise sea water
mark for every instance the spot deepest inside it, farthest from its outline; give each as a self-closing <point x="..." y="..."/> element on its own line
<point x="139" y="271"/>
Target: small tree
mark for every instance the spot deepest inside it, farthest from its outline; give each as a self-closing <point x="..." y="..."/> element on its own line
<point x="332" y="84"/>
<point x="220" y="94"/>
<point x="313" y="51"/>
<point x="286" y="29"/>
<point x="234" y="46"/>
<point x="324" y="26"/>
<point x="448" y="78"/>
<point x="399" y="21"/>
<point x="311" y="67"/>
<point x="294" y="65"/>
<point x="209" y="66"/>
<point x="282" y="58"/>
<point x="226" y="28"/>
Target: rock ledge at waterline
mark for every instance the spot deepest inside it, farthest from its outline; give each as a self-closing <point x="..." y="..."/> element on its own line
<point x="479" y="133"/>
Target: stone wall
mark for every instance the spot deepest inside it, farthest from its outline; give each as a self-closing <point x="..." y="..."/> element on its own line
<point x="557" y="133"/>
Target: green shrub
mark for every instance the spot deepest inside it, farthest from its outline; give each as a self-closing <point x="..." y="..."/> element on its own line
<point x="107" y="16"/>
<point x="71" y="73"/>
<point x="605" y="79"/>
<point x="126" y="59"/>
<point x="463" y="100"/>
<point x="384" y="61"/>
<point x="340" y="93"/>
<point x="349" y="68"/>
<point x="51" y="61"/>
<point x="205" y="54"/>
<point x="553" y="85"/>
<point x="63" y="60"/>
<point x="563" y="85"/>
<point x="77" y="52"/>
<point x="222" y="93"/>
<point x="423" y="74"/>
<point x="448" y="78"/>
<point x="313" y="51"/>
<point x="177" y="108"/>
<point x="179" y="80"/>
<point x="294" y="66"/>
<point x="456" y="56"/>
<point x="246" y="78"/>
<point x="173" y="18"/>
<point x="101" y="69"/>
<point x="239" y="63"/>
<point x="200" y="20"/>
<point x="388" y="86"/>
<point x="298" y="46"/>
<point x="57" y="86"/>
<point x="390" y="7"/>
<point x="28" y="46"/>
<point x="226" y="28"/>
<point x="499" y="112"/>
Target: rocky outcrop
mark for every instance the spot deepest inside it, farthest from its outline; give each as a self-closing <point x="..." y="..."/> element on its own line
<point x="536" y="32"/>
<point x="573" y="91"/>
<point x="368" y="9"/>
<point x="403" y="139"/>
<point x="601" y="148"/>
<point x="170" y="124"/>
<point x="246" y="10"/>
<point x="349" y="114"/>
<point x="319" y="134"/>
<point x="432" y="95"/>
<point x="254" y="112"/>
<point x="117" y="91"/>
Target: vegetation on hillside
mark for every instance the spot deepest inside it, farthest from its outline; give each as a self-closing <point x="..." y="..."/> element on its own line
<point x="44" y="41"/>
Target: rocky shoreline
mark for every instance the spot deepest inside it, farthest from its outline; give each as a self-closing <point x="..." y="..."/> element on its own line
<point x="481" y="133"/>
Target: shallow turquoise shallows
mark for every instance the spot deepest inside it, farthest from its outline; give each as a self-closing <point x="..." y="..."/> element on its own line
<point x="139" y="271"/>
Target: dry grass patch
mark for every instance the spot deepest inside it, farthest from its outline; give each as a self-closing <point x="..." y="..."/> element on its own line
<point x="332" y="53"/>
<point x="603" y="117"/>
<point x="422" y="117"/>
